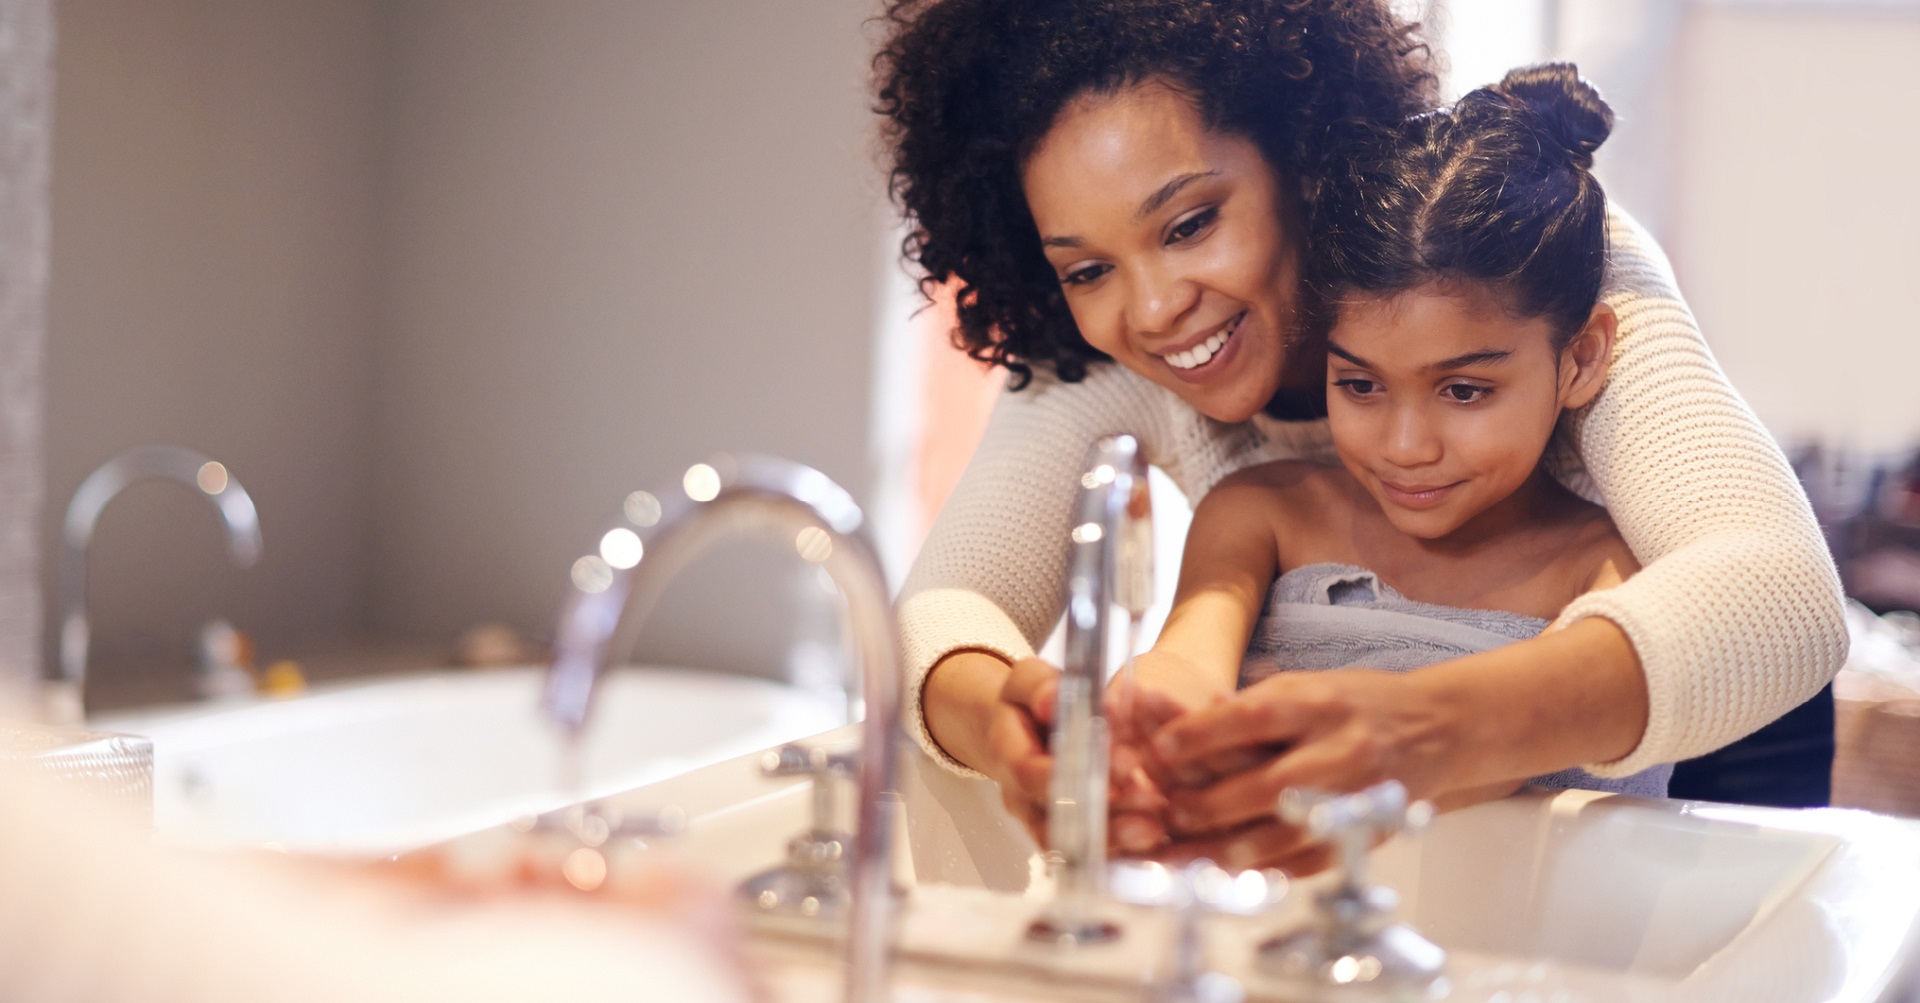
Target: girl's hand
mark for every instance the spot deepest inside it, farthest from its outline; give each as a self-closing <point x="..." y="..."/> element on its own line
<point x="1337" y="731"/>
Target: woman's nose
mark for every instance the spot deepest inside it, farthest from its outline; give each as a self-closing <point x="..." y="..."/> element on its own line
<point x="1158" y="299"/>
<point x="1410" y="440"/>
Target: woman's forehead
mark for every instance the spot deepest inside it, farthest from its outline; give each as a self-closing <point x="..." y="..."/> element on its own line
<point x="1120" y="148"/>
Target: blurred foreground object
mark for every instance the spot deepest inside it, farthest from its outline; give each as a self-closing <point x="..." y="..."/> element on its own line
<point x="111" y="769"/>
<point x="1877" y="715"/>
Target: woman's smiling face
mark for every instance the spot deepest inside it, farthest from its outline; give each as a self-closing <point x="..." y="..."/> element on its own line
<point x="1174" y="245"/>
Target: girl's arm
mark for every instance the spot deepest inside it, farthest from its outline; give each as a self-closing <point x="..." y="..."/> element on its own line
<point x="1230" y="561"/>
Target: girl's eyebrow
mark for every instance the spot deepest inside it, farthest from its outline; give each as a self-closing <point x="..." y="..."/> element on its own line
<point x="1349" y="356"/>
<point x="1484" y="357"/>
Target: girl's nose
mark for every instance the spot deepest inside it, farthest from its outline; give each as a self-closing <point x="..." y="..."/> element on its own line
<point x="1410" y="440"/>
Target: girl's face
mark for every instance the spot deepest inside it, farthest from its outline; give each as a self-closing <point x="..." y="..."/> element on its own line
<point x="1174" y="245"/>
<point x="1441" y="403"/>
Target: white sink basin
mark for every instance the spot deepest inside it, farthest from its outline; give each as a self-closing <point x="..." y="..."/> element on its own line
<point x="378" y="767"/>
<point x="1571" y="896"/>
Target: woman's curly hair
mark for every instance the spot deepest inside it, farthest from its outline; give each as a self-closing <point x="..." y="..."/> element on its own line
<point x="969" y="87"/>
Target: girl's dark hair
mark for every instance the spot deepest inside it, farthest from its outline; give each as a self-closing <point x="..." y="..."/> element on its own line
<point x="1497" y="190"/>
<point x="969" y="87"/>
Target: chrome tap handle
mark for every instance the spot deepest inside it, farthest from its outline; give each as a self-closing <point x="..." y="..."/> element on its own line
<point x="1383" y="808"/>
<point x="1195" y="892"/>
<point x="596" y="824"/>
<point x="1354" y="936"/>
<point x="1351" y="821"/>
<point x="823" y="768"/>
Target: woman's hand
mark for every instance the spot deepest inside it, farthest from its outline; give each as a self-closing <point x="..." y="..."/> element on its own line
<point x="994" y="718"/>
<point x="1337" y="731"/>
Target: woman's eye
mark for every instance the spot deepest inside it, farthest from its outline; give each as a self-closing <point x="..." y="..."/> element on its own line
<point x="1082" y="276"/>
<point x="1466" y="393"/>
<point x="1357" y="387"/>
<point x="1192" y="226"/>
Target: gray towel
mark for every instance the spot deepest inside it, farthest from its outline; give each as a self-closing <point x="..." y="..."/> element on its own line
<point x="1334" y="616"/>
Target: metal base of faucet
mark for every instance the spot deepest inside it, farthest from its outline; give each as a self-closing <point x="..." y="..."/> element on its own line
<point x="1355" y="945"/>
<point x="812" y="884"/>
<point x="1062" y="932"/>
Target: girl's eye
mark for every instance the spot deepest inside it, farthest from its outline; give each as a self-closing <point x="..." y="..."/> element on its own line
<point x="1192" y="226"/>
<point x="1082" y="276"/>
<point x="1357" y="387"/>
<point x="1466" y="393"/>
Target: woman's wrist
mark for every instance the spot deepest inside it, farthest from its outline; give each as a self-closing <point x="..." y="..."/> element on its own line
<point x="957" y="700"/>
<point x="1569" y="697"/>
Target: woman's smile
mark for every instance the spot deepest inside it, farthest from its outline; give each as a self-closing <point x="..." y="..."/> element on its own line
<point x="1211" y="353"/>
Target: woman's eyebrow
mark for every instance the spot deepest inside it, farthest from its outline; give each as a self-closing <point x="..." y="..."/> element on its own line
<point x="1168" y="191"/>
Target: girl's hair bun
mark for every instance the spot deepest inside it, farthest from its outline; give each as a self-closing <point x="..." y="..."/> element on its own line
<point x="1570" y="111"/>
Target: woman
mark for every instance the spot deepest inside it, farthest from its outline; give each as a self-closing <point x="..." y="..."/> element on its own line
<point x="1117" y="188"/>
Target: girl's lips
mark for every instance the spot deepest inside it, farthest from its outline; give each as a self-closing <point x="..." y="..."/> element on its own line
<point x="1206" y="370"/>
<point x="1417" y="496"/>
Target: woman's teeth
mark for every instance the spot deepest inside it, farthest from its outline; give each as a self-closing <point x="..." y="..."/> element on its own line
<point x="1202" y="353"/>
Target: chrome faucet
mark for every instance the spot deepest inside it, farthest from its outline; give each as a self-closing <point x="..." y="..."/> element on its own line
<point x="1353" y="942"/>
<point x="1110" y="562"/>
<point x="64" y="698"/>
<point x="617" y="585"/>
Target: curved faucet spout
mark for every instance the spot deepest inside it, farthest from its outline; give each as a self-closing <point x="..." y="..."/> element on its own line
<point x="175" y="463"/>
<point x="800" y="506"/>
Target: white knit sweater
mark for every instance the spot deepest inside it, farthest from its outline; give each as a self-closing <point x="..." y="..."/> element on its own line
<point x="1736" y="616"/>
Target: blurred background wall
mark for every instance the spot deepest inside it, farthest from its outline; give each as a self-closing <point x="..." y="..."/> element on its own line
<point x="441" y="282"/>
<point x="26" y="58"/>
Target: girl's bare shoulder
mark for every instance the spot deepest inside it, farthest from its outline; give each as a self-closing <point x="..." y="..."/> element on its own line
<point x="1594" y="555"/>
<point x="1296" y="481"/>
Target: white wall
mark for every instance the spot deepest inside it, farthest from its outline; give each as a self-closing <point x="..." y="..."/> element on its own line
<point x="441" y="281"/>
<point x="619" y="236"/>
<point x="1796" y="212"/>
<point x="212" y="285"/>
<point x="26" y="65"/>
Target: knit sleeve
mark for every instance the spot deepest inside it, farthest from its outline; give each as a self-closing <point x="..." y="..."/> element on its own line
<point x="1737" y="615"/>
<point x="991" y="575"/>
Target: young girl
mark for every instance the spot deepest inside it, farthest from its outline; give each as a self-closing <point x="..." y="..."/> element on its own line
<point x="1459" y="265"/>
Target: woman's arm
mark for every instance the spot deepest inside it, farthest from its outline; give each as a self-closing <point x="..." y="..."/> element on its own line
<point x="1737" y="616"/>
<point x="988" y="584"/>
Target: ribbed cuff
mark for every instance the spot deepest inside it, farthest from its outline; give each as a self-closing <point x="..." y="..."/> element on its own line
<point x="1655" y="742"/>
<point x="937" y="623"/>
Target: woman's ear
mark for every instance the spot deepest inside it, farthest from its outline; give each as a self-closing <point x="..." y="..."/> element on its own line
<point x="1584" y="362"/>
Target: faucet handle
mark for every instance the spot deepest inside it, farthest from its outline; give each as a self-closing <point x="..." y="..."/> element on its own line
<point x="1384" y="808"/>
<point x="795" y="760"/>
<point x="1194" y="892"/>
<point x="595" y="823"/>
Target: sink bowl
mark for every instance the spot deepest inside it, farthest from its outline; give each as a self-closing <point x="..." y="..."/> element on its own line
<point x="1545" y="896"/>
<point x="379" y="767"/>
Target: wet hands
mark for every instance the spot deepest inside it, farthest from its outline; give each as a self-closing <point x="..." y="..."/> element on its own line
<point x="1197" y="775"/>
